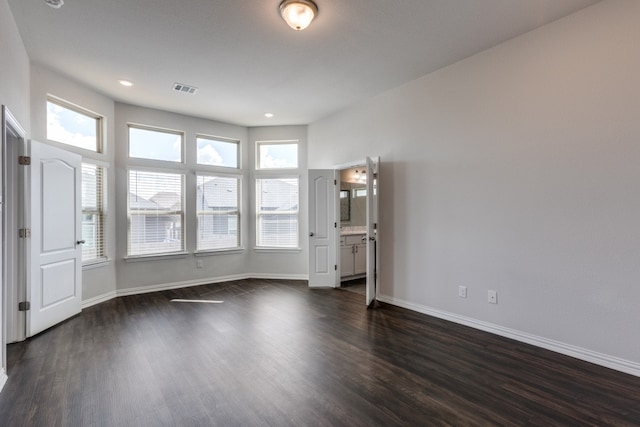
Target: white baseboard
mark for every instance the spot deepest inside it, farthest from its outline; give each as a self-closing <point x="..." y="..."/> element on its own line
<point x="176" y="285"/>
<point x="278" y="276"/>
<point x="605" y="360"/>
<point x="97" y="300"/>
<point x="3" y="378"/>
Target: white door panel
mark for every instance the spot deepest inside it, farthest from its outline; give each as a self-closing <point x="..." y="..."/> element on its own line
<point x="54" y="282"/>
<point x="322" y="228"/>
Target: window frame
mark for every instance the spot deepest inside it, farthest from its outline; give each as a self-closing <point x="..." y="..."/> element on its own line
<point x="223" y="168"/>
<point x="238" y="211"/>
<point x="180" y="133"/>
<point x="100" y="212"/>
<point x="182" y="213"/>
<point x="259" y="213"/>
<point x="259" y="166"/>
<point x="100" y="148"/>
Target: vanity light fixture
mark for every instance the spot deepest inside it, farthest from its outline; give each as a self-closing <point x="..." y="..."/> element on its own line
<point x="298" y="14"/>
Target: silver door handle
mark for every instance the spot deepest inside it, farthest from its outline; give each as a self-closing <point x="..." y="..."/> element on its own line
<point x="311" y="234"/>
<point x="80" y="242"/>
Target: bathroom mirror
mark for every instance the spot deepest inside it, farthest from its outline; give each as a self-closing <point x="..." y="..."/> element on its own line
<point x="345" y="205"/>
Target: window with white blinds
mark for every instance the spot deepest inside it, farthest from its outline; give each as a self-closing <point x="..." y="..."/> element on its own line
<point x="156" y="213"/>
<point x="277" y="212"/>
<point x="93" y="213"/>
<point x="218" y="212"/>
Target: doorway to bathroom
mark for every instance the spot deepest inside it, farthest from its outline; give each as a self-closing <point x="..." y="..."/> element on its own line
<point x="343" y="226"/>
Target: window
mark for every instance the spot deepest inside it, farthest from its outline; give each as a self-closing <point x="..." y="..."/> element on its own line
<point x="156" y="213"/>
<point x="155" y="144"/>
<point x="359" y="192"/>
<point x="217" y="152"/>
<point x="277" y="155"/>
<point x="93" y="213"/>
<point x="277" y="212"/>
<point x="218" y="212"/>
<point x="73" y="126"/>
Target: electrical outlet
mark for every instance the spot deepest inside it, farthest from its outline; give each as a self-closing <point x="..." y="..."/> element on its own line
<point x="199" y="263"/>
<point x="462" y="291"/>
<point x="493" y="297"/>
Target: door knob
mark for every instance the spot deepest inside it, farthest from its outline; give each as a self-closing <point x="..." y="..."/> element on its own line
<point x="311" y="234"/>
<point x="80" y="242"/>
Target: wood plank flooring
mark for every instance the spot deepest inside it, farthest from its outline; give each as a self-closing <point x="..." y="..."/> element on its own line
<point x="279" y="354"/>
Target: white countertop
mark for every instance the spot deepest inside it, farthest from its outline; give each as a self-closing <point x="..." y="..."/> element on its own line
<point x="350" y="231"/>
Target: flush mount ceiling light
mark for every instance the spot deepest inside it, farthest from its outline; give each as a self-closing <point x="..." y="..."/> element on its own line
<point x="56" y="4"/>
<point x="298" y="14"/>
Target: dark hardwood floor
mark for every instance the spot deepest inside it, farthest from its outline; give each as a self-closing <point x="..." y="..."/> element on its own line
<point x="279" y="354"/>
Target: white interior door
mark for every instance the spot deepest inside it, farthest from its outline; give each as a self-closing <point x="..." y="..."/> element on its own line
<point x="372" y="229"/>
<point x="54" y="285"/>
<point x="322" y="228"/>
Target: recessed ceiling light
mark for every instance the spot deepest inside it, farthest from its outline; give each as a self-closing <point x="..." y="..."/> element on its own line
<point x="126" y="83"/>
<point x="268" y="115"/>
<point x="56" y="4"/>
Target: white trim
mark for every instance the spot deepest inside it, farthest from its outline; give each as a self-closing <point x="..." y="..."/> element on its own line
<point x="274" y="276"/>
<point x="176" y="285"/>
<point x="350" y="165"/>
<point x="155" y="257"/>
<point x="3" y="378"/>
<point x="275" y="249"/>
<point x="98" y="299"/>
<point x="594" y="357"/>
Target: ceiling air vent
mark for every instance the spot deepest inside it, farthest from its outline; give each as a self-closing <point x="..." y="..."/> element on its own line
<point x="179" y="87"/>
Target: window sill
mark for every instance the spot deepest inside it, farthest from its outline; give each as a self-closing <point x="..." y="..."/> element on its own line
<point x="276" y="250"/>
<point x="155" y="257"/>
<point x="219" y="252"/>
<point x="96" y="264"/>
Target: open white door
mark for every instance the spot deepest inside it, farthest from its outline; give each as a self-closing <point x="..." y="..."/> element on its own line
<point x="372" y="229"/>
<point x="322" y="228"/>
<point x="54" y="285"/>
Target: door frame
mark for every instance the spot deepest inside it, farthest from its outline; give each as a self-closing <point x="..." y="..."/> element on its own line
<point x="12" y="220"/>
<point x="351" y="165"/>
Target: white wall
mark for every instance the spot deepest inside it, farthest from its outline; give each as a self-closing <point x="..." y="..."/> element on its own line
<point x="14" y="93"/>
<point x="515" y="170"/>
<point x="14" y="68"/>
<point x="100" y="281"/>
<point x="281" y="264"/>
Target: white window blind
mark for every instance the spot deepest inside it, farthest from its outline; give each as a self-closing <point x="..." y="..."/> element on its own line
<point x="156" y="213"/>
<point x="218" y="212"/>
<point x="93" y="214"/>
<point x="277" y="212"/>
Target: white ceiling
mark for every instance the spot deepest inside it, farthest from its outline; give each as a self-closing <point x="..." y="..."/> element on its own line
<point x="246" y="61"/>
